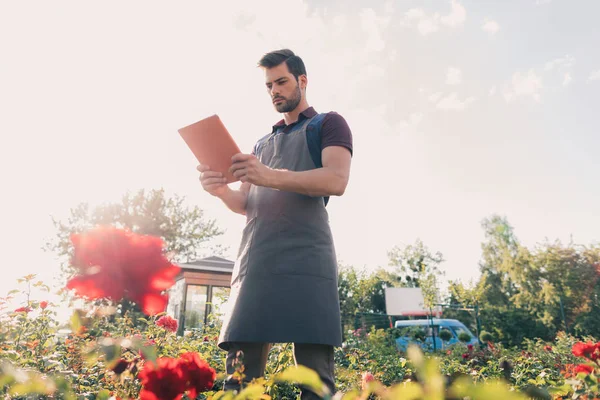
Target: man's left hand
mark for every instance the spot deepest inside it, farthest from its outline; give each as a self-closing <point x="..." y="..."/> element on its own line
<point x="247" y="168"/>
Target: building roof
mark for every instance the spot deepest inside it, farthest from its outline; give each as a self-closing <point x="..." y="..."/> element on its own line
<point x="214" y="264"/>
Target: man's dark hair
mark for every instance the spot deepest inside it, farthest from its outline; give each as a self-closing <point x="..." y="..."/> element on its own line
<point x="293" y="62"/>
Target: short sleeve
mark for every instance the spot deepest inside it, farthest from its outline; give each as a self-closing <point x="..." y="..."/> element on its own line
<point x="336" y="132"/>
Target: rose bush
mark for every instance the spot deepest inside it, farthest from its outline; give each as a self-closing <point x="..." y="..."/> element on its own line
<point x="106" y="351"/>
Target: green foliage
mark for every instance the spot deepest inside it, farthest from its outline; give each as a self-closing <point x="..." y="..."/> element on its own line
<point x="97" y="356"/>
<point x="420" y="268"/>
<point x="464" y="337"/>
<point x="486" y="337"/>
<point x="534" y="292"/>
<point x="184" y="229"/>
<point x="445" y="335"/>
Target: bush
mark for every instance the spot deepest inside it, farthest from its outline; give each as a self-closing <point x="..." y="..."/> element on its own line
<point x="486" y="337"/>
<point x="445" y="335"/>
<point x="464" y="337"/>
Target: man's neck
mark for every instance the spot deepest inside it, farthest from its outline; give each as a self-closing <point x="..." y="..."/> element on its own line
<point x="292" y="116"/>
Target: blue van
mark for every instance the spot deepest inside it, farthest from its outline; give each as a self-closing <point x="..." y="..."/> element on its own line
<point x="410" y="327"/>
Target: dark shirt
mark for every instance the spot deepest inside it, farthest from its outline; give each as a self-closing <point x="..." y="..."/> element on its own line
<point x="334" y="132"/>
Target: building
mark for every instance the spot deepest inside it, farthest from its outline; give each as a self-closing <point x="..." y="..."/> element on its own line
<point x="200" y="289"/>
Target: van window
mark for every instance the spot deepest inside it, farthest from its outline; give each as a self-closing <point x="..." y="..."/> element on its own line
<point x="459" y="329"/>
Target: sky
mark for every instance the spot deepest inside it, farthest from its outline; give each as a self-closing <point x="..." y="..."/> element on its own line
<point x="458" y="109"/>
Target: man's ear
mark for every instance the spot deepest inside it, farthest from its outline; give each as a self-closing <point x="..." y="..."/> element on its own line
<point x="303" y="79"/>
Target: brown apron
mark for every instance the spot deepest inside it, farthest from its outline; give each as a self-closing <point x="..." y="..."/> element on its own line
<point x="284" y="287"/>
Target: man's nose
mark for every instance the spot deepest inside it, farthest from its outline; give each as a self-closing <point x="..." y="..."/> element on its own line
<point x="274" y="92"/>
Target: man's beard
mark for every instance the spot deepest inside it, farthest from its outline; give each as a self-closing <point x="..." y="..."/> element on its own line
<point x="289" y="105"/>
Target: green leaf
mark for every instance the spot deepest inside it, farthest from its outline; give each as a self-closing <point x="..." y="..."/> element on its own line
<point x="304" y="376"/>
<point x="352" y="395"/>
<point x="251" y="392"/>
<point x="14" y="291"/>
<point x="415" y="355"/>
<point x="75" y="321"/>
<point x="493" y="390"/>
<point x="103" y="395"/>
<point x="222" y="395"/>
<point x="112" y="354"/>
<point x="561" y="390"/>
<point x="406" y="391"/>
<point x="149" y="353"/>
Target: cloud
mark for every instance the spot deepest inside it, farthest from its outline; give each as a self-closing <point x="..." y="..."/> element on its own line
<point x="541" y="2"/>
<point x="411" y="122"/>
<point x="567" y="79"/>
<point x="435" y="97"/>
<point x="452" y="102"/>
<point x="453" y="76"/>
<point x="373" y="25"/>
<point x="565" y="62"/>
<point x="595" y="76"/>
<point x="430" y="23"/>
<point x="457" y="16"/>
<point x="523" y="85"/>
<point x="490" y="26"/>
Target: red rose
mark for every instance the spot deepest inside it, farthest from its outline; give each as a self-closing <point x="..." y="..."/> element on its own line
<point x="367" y="377"/>
<point x="170" y="378"/>
<point x="43" y="305"/>
<point x="24" y="309"/>
<point x="548" y="348"/>
<point x="116" y="264"/>
<point x="168" y="323"/>
<point x="200" y="377"/>
<point x="587" y="350"/>
<point x="162" y="381"/>
<point x="470" y="347"/>
<point x="584" y="368"/>
<point x="465" y="356"/>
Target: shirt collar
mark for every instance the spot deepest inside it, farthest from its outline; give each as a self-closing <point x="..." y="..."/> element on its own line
<point x="308" y="113"/>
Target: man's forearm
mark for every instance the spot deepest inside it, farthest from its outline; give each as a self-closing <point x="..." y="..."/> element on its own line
<point x="316" y="182"/>
<point x="235" y="200"/>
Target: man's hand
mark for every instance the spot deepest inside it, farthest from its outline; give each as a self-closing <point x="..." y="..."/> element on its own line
<point x="213" y="182"/>
<point x="247" y="168"/>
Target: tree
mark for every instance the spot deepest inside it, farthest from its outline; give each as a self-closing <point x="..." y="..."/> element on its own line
<point x="536" y="292"/>
<point x="362" y="296"/>
<point x="420" y="268"/>
<point x="184" y="230"/>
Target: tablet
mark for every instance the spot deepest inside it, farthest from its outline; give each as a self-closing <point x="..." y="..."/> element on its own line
<point x="211" y="144"/>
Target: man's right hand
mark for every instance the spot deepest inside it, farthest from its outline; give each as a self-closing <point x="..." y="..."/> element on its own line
<point x="213" y="182"/>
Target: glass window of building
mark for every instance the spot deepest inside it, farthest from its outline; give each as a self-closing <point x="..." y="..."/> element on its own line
<point x="195" y="306"/>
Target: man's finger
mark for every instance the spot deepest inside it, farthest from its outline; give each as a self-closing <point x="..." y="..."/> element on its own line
<point x="213" y="181"/>
<point x="237" y="166"/>
<point x="240" y="157"/>
<point x="211" y="174"/>
<point x="239" y="173"/>
<point x="203" y="168"/>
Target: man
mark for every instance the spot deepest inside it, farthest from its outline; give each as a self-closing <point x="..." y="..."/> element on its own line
<point x="284" y="283"/>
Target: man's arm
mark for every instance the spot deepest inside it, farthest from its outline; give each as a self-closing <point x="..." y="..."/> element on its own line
<point x="215" y="184"/>
<point x="330" y="180"/>
<point x="236" y="200"/>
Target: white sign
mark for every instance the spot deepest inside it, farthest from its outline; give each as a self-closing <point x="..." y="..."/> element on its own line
<point x="407" y="302"/>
